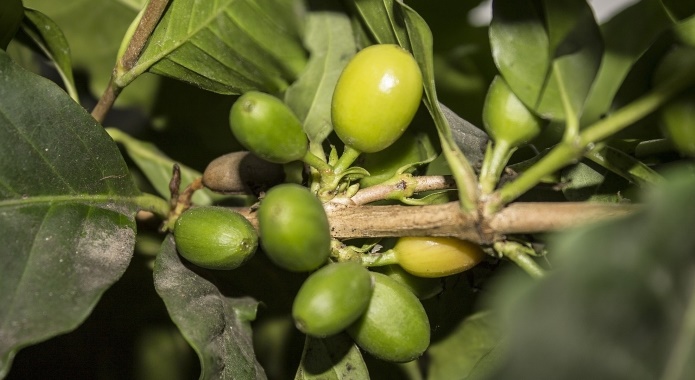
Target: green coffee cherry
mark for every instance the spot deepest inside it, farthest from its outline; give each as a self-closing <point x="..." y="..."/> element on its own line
<point x="332" y="298"/>
<point x="436" y="256"/>
<point x="267" y="127"/>
<point x="376" y="97"/>
<point x="294" y="228"/>
<point x="395" y="326"/>
<point x="506" y="118"/>
<point x="215" y="237"/>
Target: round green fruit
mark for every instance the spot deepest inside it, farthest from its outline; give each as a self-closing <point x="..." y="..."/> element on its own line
<point x="294" y="228"/>
<point x="436" y="256"/>
<point x="376" y="97"/>
<point x="423" y="288"/>
<point x="215" y="237"/>
<point x="267" y="127"/>
<point x="395" y="326"/>
<point x="332" y="298"/>
<point x="506" y="118"/>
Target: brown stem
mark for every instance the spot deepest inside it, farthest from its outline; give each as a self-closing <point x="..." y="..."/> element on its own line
<point x="422" y="183"/>
<point x="150" y="18"/>
<point x="348" y="222"/>
<point x="106" y="101"/>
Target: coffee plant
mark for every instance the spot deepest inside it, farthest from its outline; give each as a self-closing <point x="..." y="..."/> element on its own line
<point x="346" y="189"/>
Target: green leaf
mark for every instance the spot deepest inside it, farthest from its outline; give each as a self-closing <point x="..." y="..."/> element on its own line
<point x="329" y="40"/>
<point x="229" y="47"/>
<point x="591" y="182"/>
<point x="468" y="351"/>
<point x="333" y="358"/>
<point x="94" y="29"/>
<point x="383" y="22"/>
<point x="216" y="326"/>
<point x="620" y="302"/>
<point x="157" y="167"/>
<point x="567" y="48"/>
<point x="50" y="40"/>
<point x="11" y="12"/>
<point x="624" y="165"/>
<point x="470" y="139"/>
<point x="624" y="44"/>
<point x="67" y="207"/>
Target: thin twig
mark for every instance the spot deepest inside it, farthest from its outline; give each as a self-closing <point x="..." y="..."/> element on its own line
<point x="149" y="20"/>
<point x="422" y="183"/>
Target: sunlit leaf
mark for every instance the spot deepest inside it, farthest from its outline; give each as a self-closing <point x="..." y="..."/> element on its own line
<point x="330" y="42"/>
<point x="229" y="47"/>
<point x="216" y="326"/>
<point x="67" y="207"/>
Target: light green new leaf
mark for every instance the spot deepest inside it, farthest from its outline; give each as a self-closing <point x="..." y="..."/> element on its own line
<point x="333" y="358"/>
<point x="67" y="207"/>
<point x="216" y="326"/>
<point x="329" y="39"/>
<point x="620" y="302"/>
<point x="48" y="37"/>
<point x="566" y="45"/>
<point x="228" y="46"/>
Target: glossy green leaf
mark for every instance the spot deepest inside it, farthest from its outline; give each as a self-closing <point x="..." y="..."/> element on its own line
<point x="333" y="358"/>
<point x="94" y="29"/>
<point x="383" y="21"/>
<point x="567" y="48"/>
<point x="229" y="47"/>
<point x="624" y="44"/>
<point x="67" y="207"/>
<point x="50" y="40"/>
<point x="216" y="326"/>
<point x="330" y="42"/>
<point x="158" y="167"/>
<point x="468" y="352"/>
<point x="620" y="302"/>
<point x="11" y="12"/>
